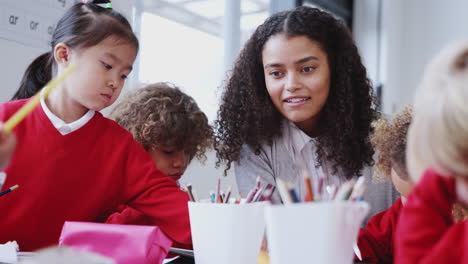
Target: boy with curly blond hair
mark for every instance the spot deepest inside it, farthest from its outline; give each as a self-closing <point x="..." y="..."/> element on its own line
<point x="438" y="164"/>
<point x="170" y="126"/>
<point x="376" y="241"/>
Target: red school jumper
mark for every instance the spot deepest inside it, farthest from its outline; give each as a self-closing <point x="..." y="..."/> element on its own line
<point x="128" y="216"/>
<point x="426" y="232"/>
<point x="82" y="176"/>
<point x="376" y="241"/>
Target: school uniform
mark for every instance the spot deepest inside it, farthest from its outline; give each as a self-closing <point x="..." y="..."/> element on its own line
<point x="426" y="232"/>
<point x="128" y="216"/>
<point x="284" y="159"/>
<point x="81" y="172"/>
<point x="375" y="241"/>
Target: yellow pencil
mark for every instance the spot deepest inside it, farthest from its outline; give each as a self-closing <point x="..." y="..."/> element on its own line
<point x="29" y="106"/>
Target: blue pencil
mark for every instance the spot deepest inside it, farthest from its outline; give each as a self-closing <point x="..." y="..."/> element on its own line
<point x="9" y="190"/>
<point x="293" y="194"/>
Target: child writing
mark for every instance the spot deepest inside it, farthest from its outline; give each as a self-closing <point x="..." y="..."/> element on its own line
<point x="299" y="98"/>
<point x="171" y="128"/>
<point x="389" y="139"/>
<point x="72" y="163"/>
<point x="437" y="162"/>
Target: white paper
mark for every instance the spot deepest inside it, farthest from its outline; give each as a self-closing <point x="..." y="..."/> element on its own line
<point x="322" y="231"/>
<point x="8" y="252"/>
<point x="62" y="255"/>
<point x="227" y="233"/>
<point x="357" y="251"/>
<point x="170" y="259"/>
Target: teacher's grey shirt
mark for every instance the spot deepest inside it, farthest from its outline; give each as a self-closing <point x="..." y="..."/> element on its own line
<point x="286" y="158"/>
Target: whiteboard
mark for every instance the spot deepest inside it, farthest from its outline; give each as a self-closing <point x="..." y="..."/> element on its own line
<point x="31" y="23"/>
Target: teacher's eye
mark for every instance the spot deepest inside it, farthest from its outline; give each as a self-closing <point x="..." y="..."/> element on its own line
<point x="308" y="69"/>
<point x="275" y="74"/>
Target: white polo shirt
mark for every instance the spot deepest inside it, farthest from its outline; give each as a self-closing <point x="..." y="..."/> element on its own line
<point x="63" y="127"/>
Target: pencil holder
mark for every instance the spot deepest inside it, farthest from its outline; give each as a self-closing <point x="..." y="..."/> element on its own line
<point x="227" y="233"/>
<point x="319" y="232"/>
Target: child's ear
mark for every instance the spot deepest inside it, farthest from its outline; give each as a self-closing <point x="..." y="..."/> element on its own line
<point x="62" y="53"/>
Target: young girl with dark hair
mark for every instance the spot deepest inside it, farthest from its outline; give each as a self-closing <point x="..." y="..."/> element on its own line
<point x="72" y="163"/>
<point x="299" y="98"/>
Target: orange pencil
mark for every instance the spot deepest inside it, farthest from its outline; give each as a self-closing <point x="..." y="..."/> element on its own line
<point x="309" y="197"/>
<point x="218" y="198"/>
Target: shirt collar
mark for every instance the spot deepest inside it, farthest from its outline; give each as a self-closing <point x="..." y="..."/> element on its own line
<point x="295" y="137"/>
<point x="60" y="125"/>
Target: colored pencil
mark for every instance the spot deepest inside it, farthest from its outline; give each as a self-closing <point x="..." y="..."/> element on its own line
<point x="16" y="118"/>
<point x="12" y="188"/>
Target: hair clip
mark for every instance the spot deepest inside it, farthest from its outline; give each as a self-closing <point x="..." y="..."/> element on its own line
<point x="103" y="5"/>
<point x="106" y="5"/>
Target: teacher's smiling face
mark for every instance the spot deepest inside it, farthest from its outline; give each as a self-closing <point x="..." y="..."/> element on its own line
<point x="297" y="77"/>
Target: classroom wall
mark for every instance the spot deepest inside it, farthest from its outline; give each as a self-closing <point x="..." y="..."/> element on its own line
<point x="412" y="32"/>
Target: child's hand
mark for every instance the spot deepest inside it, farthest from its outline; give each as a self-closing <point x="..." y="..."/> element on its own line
<point x="462" y="190"/>
<point x="7" y="146"/>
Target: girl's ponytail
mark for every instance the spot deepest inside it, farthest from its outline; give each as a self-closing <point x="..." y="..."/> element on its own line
<point x="36" y="76"/>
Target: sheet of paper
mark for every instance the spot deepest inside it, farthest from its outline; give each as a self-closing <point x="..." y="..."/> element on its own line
<point x="8" y="252"/>
<point x="170" y="259"/>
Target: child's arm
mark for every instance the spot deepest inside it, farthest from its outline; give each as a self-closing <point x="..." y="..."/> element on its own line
<point x="7" y="146"/>
<point x="426" y="232"/>
<point x="157" y="196"/>
<point x="128" y="216"/>
<point x="375" y="241"/>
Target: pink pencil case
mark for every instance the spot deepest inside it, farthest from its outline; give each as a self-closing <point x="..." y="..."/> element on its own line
<point x="124" y="243"/>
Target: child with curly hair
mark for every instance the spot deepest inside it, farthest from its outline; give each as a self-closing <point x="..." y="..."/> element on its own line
<point x="299" y="98"/>
<point x="389" y="139"/>
<point x="437" y="158"/>
<point x="171" y="128"/>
